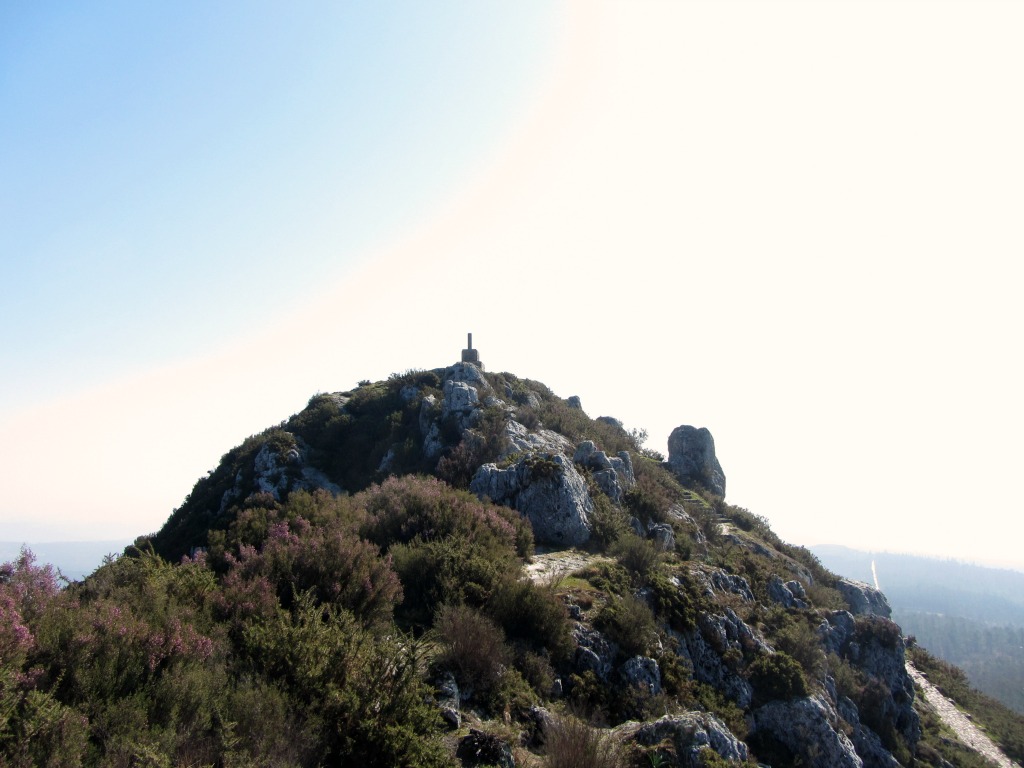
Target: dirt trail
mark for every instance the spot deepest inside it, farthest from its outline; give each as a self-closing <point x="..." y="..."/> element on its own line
<point x="547" y="566"/>
<point x="958" y="722"/>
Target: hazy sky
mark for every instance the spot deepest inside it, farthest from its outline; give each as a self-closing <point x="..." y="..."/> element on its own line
<point x="797" y="224"/>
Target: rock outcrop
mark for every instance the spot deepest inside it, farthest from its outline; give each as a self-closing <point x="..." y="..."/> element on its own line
<point x="810" y="729"/>
<point x="863" y="599"/>
<point x="545" y="488"/>
<point x="692" y="459"/>
<point x="613" y="474"/>
<point x="680" y="739"/>
<point x="279" y="470"/>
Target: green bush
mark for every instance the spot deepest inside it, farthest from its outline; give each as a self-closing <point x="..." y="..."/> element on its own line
<point x="777" y="676"/>
<point x="629" y="623"/>
<point x="533" y="615"/>
<point x="638" y="556"/>
<point x="473" y="646"/>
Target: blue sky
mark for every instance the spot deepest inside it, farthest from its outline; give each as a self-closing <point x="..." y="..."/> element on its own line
<point x="795" y="224"/>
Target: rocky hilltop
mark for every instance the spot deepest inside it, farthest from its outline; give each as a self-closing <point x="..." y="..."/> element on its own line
<point x="692" y="629"/>
<point x="458" y="567"/>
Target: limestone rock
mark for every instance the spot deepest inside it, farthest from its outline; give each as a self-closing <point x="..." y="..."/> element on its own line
<point x="663" y="536"/>
<point x="719" y="581"/>
<point x="448" y="700"/>
<point x="691" y="457"/>
<point x="867" y="743"/>
<point x="681" y="738"/>
<point x="575" y="403"/>
<point x="594" y="652"/>
<point x="789" y="594"/>
<point x="279" y="472"/>
<point x="642" y="672"/>
<point x="521" y="440"/>
<point x="613" y="475"/>
<point x="875" y="645"/>
<point x="545" y="488"/>
<point x="863" y="599"/>
<point x="809" y="728"/>
<point x="705" y="646"/>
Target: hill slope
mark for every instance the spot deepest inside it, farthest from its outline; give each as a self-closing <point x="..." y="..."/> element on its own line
<point x="349" y="587"/>
<point x="969" y="615"/>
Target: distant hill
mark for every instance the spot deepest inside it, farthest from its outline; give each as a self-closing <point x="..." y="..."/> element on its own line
<point x="969" y="615"/>
<point x="74" y="559"/>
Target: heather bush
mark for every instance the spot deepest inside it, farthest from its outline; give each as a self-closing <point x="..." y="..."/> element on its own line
<point x="608" y="523"/>
<point x="335" y="564"/>
<point x="800" y="641"/>
<point x="406" y="508"/>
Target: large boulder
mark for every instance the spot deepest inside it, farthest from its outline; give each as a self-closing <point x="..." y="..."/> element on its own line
<point x="863" y="599"/>
<point x="691" y="457"/>
<point x="680" y="739"/>
<point x="545" y="488"/>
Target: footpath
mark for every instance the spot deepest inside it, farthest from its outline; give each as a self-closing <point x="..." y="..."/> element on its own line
<point x="966" y="731"/>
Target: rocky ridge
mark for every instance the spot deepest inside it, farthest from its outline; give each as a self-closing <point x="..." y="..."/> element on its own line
<point x="726" y="608"/>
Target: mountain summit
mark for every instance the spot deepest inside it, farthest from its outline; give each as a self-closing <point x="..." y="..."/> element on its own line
<point x="453" y="567"/>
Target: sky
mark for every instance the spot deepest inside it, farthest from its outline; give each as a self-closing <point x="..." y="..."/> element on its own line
<point x="797" y="224"/>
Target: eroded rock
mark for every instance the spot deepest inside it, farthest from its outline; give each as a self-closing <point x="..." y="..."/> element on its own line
<point x="691" y="457"/>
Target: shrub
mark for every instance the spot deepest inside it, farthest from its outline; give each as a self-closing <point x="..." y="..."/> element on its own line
<point x="777" y="676"/>
<point x="799" y="640"/>
<point x="629" y="623"/>
<point x="533" y="615"/>
<point x="607" y="522"/>
<point x="572" y="743"/>
<point x="473" y="646"/>
<point x="639" y="556"/>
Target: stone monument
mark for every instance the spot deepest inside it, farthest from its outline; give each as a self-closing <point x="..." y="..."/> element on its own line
<point x="470" y="355"/>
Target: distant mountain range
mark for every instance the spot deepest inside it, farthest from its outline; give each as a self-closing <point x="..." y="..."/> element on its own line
<point x="969" y="615"/>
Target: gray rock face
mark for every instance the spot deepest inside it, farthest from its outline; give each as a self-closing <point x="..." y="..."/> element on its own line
<point x="691" y="457"/>
<point x="448" y="700"/>
<point x="704" y="647"/>
<point x="521" y="440"/>
<point x="809" y="728"/>
<point x="864" y="599"/>
<point x="687" y="733"/>
<point x="594" y="652"/>
<point x="642" y="672"/>
<point x="575" y="403"/>
<point x="461" y="402"/>
<point x="867" y="743"/>
<point x="662" y="535"/>
<point x="279" y="473"/>
<point x="789" y="594"/>
<point x="613" y="475"/>
<point x="548" y="490"/>
<point x="874" y="645"/>
<point x="719" y="581"/>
